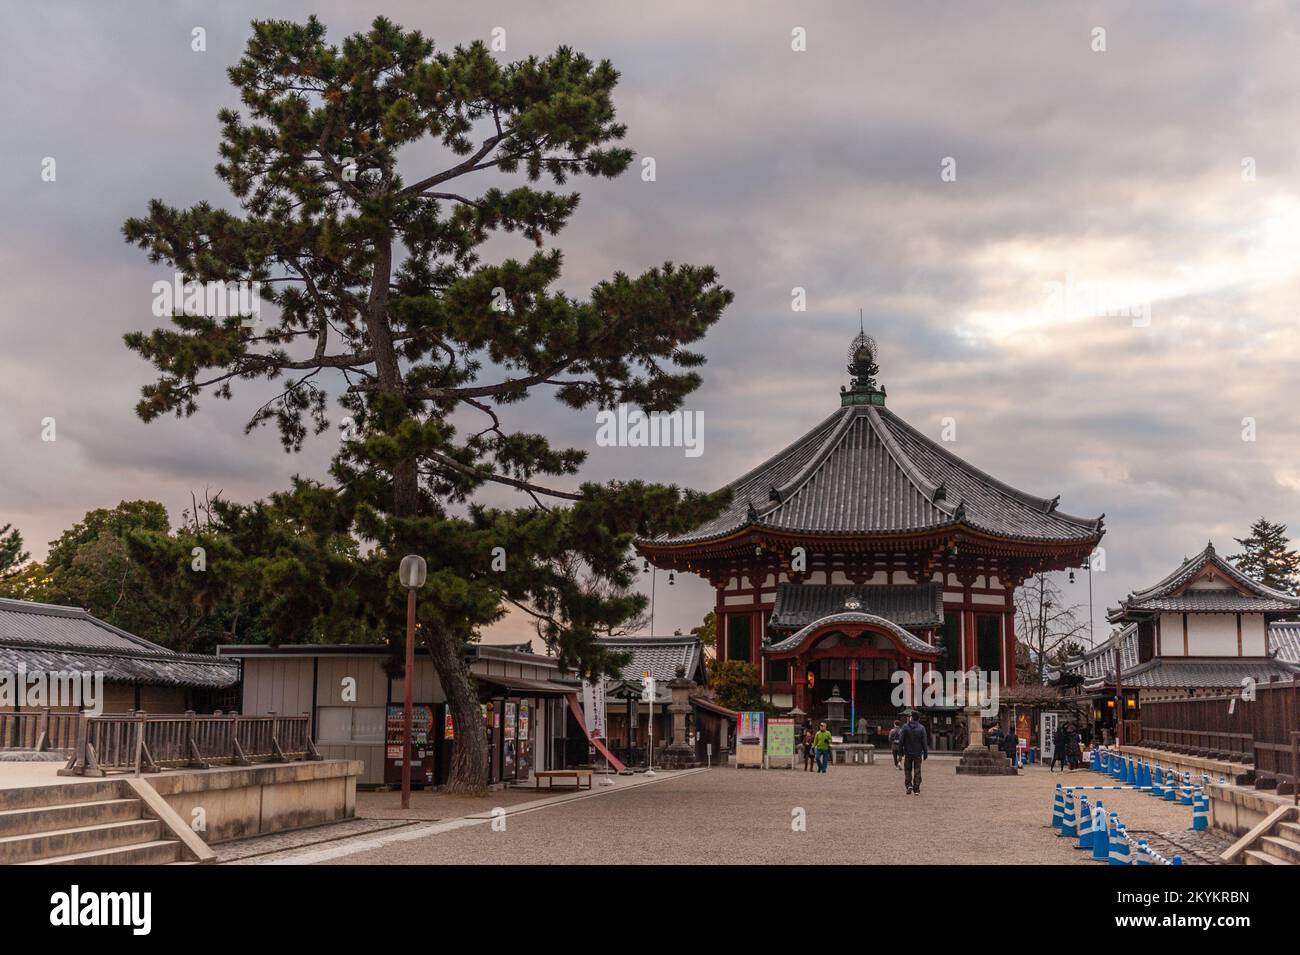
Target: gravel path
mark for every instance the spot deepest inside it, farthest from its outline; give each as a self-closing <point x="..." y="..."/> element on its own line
<point x="853" y="814"/>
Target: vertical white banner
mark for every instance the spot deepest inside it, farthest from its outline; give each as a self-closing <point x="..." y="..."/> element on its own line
<point x="1047" y="729"/>
<point x="593" y="707"/>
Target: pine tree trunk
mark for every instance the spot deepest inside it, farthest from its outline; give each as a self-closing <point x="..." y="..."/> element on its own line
<point x="469" y="753"/>
<point x="469" y="763"/>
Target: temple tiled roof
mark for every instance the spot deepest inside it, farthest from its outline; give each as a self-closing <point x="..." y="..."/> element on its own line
<point x="48" y="638"/>
<point x="1200" y="673"/>
<point x="1096" y="668"/>
<point x="1099" y="662"/>
<point x="1174" y="595"/>
<point x="660" y="655"/>
<point x="912" y="642"/>
<point x="865" y="471"/>
<point x="914" y="606"/>
<point x="1284" y="641"/>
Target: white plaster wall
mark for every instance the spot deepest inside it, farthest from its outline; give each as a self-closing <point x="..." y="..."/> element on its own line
<point x="1171" y="634"/>
<point x="1254" y="634"/>
<point x="1212" y="635"/>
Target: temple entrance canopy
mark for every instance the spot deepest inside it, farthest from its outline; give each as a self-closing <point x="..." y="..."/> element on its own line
<point x="865" y="544"/>
<point x="857" y="652"/>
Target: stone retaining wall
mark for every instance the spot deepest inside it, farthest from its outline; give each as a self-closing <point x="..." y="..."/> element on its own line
<point x="248" y="801"/>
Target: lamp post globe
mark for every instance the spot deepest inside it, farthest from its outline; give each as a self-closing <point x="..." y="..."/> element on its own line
<point x="412" y="572"/>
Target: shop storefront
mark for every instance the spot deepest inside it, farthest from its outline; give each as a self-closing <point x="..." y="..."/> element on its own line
<point x="357" y="713"/>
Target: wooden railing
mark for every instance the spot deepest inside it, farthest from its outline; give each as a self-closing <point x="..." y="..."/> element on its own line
<point x="1213" y="727"/>
<point x="1274" y="717"/>
<point x="38" y="730"/>
<point x="140" y="742"/>
<point x="1259" y="731"/>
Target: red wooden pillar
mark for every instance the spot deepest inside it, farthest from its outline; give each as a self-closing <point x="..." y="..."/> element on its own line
<point x="720" y="628"/>
<point x="1009" y="678"/>
<point x="968" y="639"/>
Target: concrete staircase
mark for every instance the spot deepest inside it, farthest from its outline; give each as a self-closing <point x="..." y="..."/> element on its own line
<point x="1274" y="841"/>
<point x="97" y="823"/>
<point x="1280" y="848"/>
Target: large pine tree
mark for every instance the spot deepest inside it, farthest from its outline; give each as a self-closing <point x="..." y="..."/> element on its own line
<point x="1266" y="556"/>
<point x="359" y="173"/>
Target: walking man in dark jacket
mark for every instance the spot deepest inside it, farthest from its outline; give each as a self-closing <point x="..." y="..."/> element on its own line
<point x="893" y="743"/>
<point x="914" y="742"/>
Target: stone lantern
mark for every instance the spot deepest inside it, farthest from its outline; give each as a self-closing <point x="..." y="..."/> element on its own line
<point x="836" y="719"/>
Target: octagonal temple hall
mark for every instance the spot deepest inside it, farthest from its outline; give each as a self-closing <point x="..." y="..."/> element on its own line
<point x="910" y="558"/>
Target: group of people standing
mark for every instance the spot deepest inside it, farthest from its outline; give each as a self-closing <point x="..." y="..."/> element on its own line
<point x="1066" y="748"/>
<point x="816" y="747"/>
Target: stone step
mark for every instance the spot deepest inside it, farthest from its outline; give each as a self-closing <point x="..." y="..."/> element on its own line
<point x="73" y="815"/>
<point x="157" y="852"/>
<point x="27" y="797"/>
<point x="82" y="839"/>
<point x="1255" y="857"/>
<point x="1289" y="830"/>
<point x="1281" y="848"/>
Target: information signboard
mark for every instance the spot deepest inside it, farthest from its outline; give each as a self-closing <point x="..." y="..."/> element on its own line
<point x="780" y="741"/>
<point x="749" y="738"/>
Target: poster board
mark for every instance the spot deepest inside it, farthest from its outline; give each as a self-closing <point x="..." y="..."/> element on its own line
<point x="1022" y="731"/>
<point x="780" y="742"/>
<point x="749" y="738"/>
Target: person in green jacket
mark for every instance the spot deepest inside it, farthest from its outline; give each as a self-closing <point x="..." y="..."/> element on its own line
<point x="822" y="747"/>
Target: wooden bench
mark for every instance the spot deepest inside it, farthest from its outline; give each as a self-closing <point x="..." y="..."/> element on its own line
<point x="550" y="775"/>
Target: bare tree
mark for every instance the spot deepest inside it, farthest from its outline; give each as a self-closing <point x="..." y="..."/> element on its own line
<point x="1045" y="624"/>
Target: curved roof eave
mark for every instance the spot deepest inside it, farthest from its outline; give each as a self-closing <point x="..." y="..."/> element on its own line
<point x="913" y="643"/>
<point x="740" y="531"/>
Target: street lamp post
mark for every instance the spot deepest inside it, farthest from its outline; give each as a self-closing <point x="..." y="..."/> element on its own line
<point x="412" y="574"/>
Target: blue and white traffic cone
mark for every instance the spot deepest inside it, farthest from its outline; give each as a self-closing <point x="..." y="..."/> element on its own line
<point x="1143" y="854"/>
<point x="1131" y="776"/>
<point x="1201" y="812"/>
<point x="1171" y="790"/>
<point x="1068" y="825"/>
<point x="1100" y="837"/>
<point x="1187" y="789"/>
<point x="1157" y="783"/>
<point x="1085" y="823"/>
<point x="1096" y="759"/>
<point x="1177" y="860"/>
<point x="1058" y="807"/>
<point x="1119" y="846"/>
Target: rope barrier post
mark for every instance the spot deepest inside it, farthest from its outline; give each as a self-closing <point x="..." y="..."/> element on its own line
<point x="1085" y="824"/>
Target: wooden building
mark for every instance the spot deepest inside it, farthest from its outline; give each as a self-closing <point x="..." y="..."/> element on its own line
<point x="1203" y="630"/>
<point x="864" y="549"/>
<point x="356" y="707"/>
<point x="628" y="716"/>
<point x="39" y="639"/>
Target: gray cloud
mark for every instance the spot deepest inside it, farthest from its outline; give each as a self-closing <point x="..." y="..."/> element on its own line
<point x="818" y="170"/>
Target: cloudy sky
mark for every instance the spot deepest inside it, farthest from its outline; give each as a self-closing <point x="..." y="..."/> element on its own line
<point x="1159" y="176"/>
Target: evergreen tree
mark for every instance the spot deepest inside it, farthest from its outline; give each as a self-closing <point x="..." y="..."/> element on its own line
<point x="12" y="555"/>
<point x="1266" y="557"/>
<point x="381" y="301"/>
